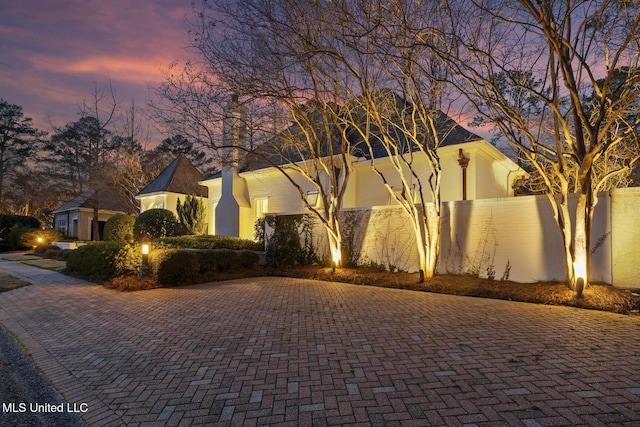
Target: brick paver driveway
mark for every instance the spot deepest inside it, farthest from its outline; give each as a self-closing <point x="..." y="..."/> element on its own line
<point x="285" y="351"/>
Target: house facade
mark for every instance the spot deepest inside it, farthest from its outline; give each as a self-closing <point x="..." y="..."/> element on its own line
<point x="75" y="218"/>
<point x="487" y="173"/>
<point x="179" y="179"/>
<point x="471" y="167"/>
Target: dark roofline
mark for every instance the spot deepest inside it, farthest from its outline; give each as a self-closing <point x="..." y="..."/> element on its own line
<point x="181" y="177"/>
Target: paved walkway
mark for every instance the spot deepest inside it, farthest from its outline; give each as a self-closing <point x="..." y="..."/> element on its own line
<point x="276" y="351"/>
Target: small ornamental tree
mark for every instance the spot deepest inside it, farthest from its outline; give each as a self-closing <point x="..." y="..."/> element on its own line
<point x="155" y="224"/>
<point x="192" y="214"/>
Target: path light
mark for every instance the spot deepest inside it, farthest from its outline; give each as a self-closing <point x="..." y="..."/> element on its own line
<point x="144" y="268"/>
<point x="38" y="243"/>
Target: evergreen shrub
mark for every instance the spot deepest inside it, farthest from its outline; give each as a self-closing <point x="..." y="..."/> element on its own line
<point x="119" y="228"/>
<point x="211" y="242"/>
<point x="291" y="241"/>
<point x="248" y="259"/>
<point x="63" y="255"/>
<point x="178" y="267"/>
<point x="26" y="237"/>
<point x="155" y="224"/>
<point x="7" y="222"/>
<point x="105" y="260"/>
<point x="41" y="249"/>
<point x="51" y="253"/>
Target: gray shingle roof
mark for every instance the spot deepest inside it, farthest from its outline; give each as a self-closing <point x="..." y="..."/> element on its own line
<point x="181" y="177"/>
<point x="280" y="150"/>
<point x="108" y="200"/>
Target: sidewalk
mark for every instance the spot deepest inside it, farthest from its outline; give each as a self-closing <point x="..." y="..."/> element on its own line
<point x="290" y="352"/>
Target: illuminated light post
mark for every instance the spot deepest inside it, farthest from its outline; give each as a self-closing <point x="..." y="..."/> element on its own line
<point x="38" y="243"/>
<point x="144" y="268"/>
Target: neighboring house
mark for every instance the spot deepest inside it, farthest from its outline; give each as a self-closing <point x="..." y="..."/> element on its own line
<point x="75" y="218"/>
<point x="177" y="180"/>
<point x="472" y="168"/>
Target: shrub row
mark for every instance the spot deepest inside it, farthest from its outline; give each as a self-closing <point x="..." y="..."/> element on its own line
<point x="212" y="242"/>
<point x="169" y="266"/>
<point x="185" y="266"/>
<point x="104" y="260"/>
<point x="52" y="252"/>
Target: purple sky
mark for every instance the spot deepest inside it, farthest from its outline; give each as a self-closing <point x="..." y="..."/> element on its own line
<point x="53" y="52"/>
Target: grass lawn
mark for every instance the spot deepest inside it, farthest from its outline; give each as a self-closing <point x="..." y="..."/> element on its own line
<point x="20" y="257"/>
<point x="49" y="264"/>
<point x="8" y="282"/>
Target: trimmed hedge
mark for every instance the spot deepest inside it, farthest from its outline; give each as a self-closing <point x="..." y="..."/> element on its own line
<point x="186" y="266"/>
<point x="105" y="260"/>
<point x="119" y="228"/>
<point x="168" y="266"/>
<point x="178" y="267"/>
<point x="155" y="224"/>
<point x="212" y="242"/>
<point x="41" y="249"/>
<point x="216" y="260"/>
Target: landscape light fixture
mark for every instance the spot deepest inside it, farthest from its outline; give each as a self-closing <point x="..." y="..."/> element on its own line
<point x="144" y="268"/>
<point x="580" y="272"/>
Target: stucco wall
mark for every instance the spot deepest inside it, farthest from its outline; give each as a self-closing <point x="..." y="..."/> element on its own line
<point x="519" y="231"/>
<point x="625" y="230"/>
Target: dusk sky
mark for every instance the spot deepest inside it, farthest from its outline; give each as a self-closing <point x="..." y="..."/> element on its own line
<point x="53" y="52"/>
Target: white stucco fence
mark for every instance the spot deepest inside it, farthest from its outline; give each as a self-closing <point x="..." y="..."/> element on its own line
<point x="492" y="233"/>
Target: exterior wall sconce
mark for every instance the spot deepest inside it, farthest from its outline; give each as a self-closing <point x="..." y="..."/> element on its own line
<point x="463" y="162"/>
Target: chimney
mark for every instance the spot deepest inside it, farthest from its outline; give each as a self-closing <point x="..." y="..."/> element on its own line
<point x="234" y="189"/>
<point x="234" y="130"/>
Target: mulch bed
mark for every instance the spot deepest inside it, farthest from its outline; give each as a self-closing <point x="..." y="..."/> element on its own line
<point x="597" y="296"/>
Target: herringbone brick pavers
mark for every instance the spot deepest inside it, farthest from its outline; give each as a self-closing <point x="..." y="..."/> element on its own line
<point x="276" y="351"/>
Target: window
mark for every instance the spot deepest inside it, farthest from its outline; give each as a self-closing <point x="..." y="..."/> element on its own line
<point x="262" y="206"/>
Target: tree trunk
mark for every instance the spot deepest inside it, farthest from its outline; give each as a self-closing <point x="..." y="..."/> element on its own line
<point x="335" y="249"/>
<point x="95" y="223"/>
<point x="581" y="245"/>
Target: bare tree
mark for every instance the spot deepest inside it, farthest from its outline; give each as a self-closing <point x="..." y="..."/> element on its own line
<point x="577" y="62"/>
<point x="402" y="94"/>
<point x="259" y="50"/>
<point x="87" y="147"/>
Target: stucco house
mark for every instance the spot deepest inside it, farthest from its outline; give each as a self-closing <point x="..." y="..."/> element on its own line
<point x="244" y="191"/>
<point x="75" y="218"/>
<point x="177" y="180"/>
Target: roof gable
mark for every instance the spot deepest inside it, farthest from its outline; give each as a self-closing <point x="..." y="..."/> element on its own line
<point x="108" y="199"/>
<point x="181" y="177"/>
<point x="281" y="150"/>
